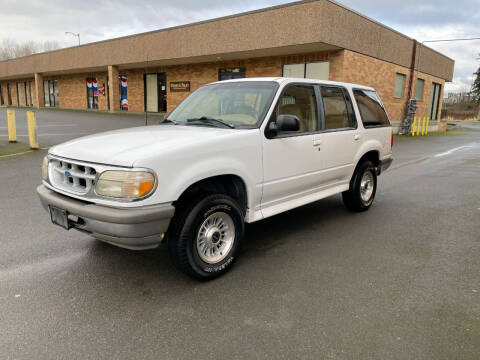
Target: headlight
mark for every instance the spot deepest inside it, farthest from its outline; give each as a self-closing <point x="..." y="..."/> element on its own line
<point x="45" y="168"/>
<point x="125" y="184"/>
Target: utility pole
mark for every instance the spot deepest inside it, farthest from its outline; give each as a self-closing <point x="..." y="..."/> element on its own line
<point x="77" y="35"/>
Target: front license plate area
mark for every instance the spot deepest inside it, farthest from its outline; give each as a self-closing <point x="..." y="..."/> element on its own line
<point x="59" y="217"/>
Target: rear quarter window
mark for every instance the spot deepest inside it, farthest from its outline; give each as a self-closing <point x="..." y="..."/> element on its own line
<point x="371" y="109"/>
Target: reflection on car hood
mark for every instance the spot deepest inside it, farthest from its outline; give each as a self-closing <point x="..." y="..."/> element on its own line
<point x="123" y="147"/>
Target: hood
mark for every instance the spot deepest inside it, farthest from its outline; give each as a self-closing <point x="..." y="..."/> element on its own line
<point x="124" y="147"/>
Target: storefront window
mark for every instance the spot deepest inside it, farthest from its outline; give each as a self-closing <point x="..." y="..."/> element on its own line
<point x="231" y="73"/>
<point x="294" y="70"/>
<point x="19" y="94"/>
<point x="314" y="70"/>
<point x="9" y="95"/>
<point x="28" y="86"/>
<point x="51" y="94"/>
<point x="92" y="93"/>
<point x="123" y="93"/>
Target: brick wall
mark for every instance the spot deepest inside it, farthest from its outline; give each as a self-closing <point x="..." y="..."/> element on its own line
<point x="345" y="65"/>
<point x="201" y="74"/>
<point x="72" y="90"/>
<point x="380" y="75"/>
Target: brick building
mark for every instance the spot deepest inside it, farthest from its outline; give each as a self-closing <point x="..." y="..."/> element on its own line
<point x="154" y="71"/>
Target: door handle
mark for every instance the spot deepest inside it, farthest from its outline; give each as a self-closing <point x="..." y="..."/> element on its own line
<point x="356" y="137"/>
<point x="317" y="142"/>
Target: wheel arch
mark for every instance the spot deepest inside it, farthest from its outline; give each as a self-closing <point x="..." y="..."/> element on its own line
<point x="229" y="184"/>
<point x="372" y="155"/>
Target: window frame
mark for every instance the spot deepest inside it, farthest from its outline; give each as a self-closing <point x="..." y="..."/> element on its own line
<point x="382" y="105"/>
<point x="403" y="85"/>
<point x="316" y="89"/>
<point x="344" y="91"/>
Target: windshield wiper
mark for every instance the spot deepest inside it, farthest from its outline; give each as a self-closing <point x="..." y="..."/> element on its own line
<point x="169" y="121"/>
<point x="204" y="119"/>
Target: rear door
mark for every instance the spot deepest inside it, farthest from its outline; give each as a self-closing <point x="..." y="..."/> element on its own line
<point x="375" y="120"/>
<point x="340" y="139"/>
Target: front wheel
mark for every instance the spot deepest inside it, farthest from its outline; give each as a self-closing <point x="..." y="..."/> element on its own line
<point x="363" y="187"/>
<point x="205" y="237"/>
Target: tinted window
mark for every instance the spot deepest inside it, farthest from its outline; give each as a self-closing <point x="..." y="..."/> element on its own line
<point x="300" y="101"/>
<point x="371" y="108"/>
<point x="337" y="108"/>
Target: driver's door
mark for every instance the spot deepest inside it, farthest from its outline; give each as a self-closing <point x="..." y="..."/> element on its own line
<point x="291" y="160"/>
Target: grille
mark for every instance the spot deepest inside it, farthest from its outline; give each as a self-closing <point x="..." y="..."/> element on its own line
<point x="70" y="176"/>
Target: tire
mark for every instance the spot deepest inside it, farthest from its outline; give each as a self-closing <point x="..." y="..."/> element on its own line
<point x="363" y="188"/>
<point x="206" y="236"/>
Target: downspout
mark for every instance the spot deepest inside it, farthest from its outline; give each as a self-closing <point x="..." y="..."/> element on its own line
<point x="412" y="71"/>
<point x="410" y="106"/>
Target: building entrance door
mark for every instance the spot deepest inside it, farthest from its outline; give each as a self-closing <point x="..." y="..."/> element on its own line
<point x="434" y="101"/>
<point x="156" y="92"/>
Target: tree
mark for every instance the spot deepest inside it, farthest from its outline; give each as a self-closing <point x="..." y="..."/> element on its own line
<point x="475" y="92"/>
<point x="11" y="49"/>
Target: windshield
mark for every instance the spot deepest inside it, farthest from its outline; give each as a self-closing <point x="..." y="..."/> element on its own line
<point x="232" y="104"/>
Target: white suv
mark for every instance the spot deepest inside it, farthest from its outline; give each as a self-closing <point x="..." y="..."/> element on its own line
<point x="232" y="152"/>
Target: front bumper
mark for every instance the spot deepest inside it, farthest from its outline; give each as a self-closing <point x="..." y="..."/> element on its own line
<point x="132" y="228"/>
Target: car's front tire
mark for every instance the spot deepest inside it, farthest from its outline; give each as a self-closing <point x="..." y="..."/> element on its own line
<point x="205" y="237"/>
<point x="363" y="188"/>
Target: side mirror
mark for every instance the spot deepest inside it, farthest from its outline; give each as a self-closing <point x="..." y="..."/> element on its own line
<point x="283" y="123"/>
<point x="287" y="123"/>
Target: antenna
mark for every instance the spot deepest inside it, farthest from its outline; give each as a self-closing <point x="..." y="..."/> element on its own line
<point x="144" y="91"/>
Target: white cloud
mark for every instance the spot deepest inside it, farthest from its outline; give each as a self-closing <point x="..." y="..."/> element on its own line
<point x="422" y="20"/>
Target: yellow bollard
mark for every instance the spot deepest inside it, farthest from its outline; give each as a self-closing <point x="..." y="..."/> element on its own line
<point x="32" y="129"/>
<point x="426" y="130"/>
<point x="413" y="125"/>
<point x="424" y="120"/>
<point x="418" y="126"/>
<point x="12" y="127"/>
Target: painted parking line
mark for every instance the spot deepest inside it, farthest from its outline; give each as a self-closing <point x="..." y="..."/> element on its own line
<point x="56" y="134"/>
<point x="453" y="150"/>
<point x="43" y="126"/>
<point x="422" y="159"/>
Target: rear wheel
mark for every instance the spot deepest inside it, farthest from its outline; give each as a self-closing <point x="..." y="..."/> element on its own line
<point x="363" y="187"/>
<point x="205" y="237"/>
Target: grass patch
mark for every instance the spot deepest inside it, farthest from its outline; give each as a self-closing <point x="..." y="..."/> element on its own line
<point x="7" y="148"/>
<point x="451" y="131"/>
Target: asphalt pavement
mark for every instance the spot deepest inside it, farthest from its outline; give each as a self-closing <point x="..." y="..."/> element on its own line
<point x="56" y="126"/>
<point x="401" y="281"/>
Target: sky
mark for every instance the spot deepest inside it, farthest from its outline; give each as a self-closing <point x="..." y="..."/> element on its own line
<point x="99" y="20"/>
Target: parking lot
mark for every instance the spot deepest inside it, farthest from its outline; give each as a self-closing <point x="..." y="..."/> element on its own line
<point x="401" y="281"/>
